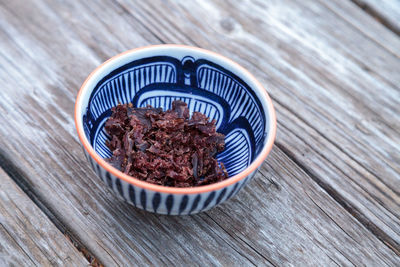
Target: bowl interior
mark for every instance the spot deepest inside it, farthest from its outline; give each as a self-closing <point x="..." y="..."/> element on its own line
<point x="205" y="85"/>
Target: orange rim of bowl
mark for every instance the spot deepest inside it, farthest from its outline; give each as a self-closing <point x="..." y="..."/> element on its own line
<point x="186" y="190"/>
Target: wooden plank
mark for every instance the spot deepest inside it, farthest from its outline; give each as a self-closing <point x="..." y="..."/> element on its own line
<point x="282" y="217"/>
<point x="323" y="81"/>
<point x="27" y="236"/>
<point x="386" y="12"/>
<point x="367" y="26"/>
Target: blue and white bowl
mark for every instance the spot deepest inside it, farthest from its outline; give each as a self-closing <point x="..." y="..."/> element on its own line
<point x="208" y="83"/>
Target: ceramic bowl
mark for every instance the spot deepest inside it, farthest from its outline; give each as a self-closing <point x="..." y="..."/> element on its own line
<point x="208" y="83"/>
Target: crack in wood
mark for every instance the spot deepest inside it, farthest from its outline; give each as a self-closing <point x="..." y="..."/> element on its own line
<point x="142" y="24"/>
<point x="378" y="16"/>
<point x="326" y="214"/>
<point x="18" y="176"/>
<point x="16" y="242"/>
<point x="343" y="173"/>
<point x="141" y="20"/>
<point x="321" y="134"/>
<point x="243" y="241"/>
<point x="374" y="229"/>
<point x="352" y="210"/>
<point x="215" y="232"/>
<point x="362" y="32"/>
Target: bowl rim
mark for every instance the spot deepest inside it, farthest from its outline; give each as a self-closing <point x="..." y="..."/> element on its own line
<point x="178" y="190"/>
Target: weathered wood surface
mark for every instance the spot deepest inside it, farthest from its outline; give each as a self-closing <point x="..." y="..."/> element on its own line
<point x="327" y="195"/>
<point x="385" y="11"/>
<point x="27" y="236"/>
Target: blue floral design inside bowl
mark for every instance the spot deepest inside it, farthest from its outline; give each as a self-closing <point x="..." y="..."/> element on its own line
<point x="206" y="87"/>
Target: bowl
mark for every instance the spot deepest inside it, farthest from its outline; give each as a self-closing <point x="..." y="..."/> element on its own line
<point x="209" y="83"/>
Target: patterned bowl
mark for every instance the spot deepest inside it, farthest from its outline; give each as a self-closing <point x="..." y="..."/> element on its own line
<point x="207" y="82"/>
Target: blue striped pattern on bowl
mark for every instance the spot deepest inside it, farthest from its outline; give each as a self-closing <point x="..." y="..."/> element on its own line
<point x="206" y="87"/>
<point x="169" y="204"/>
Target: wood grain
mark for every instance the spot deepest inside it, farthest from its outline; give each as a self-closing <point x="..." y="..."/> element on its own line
<point x="366" y="25"/>
<point x="27" y="236"/>
<point x="386" y="12"/>
<point x="282" y="217"/>
<point x="323" y="82"/>
<point x="327" y="195"/>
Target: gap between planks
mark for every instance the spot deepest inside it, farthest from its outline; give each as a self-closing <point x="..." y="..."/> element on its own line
<point x="352" y="210"/>
<point x="18" y="177"/>
<point x="381" y="18"/>
<point x="327" y="188"/>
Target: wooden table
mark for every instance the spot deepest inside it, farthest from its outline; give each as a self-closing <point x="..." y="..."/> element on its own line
<point x="328" y="194"/>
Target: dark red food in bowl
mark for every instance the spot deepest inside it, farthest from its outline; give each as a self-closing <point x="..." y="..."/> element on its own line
<point x="166" y="148"/>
